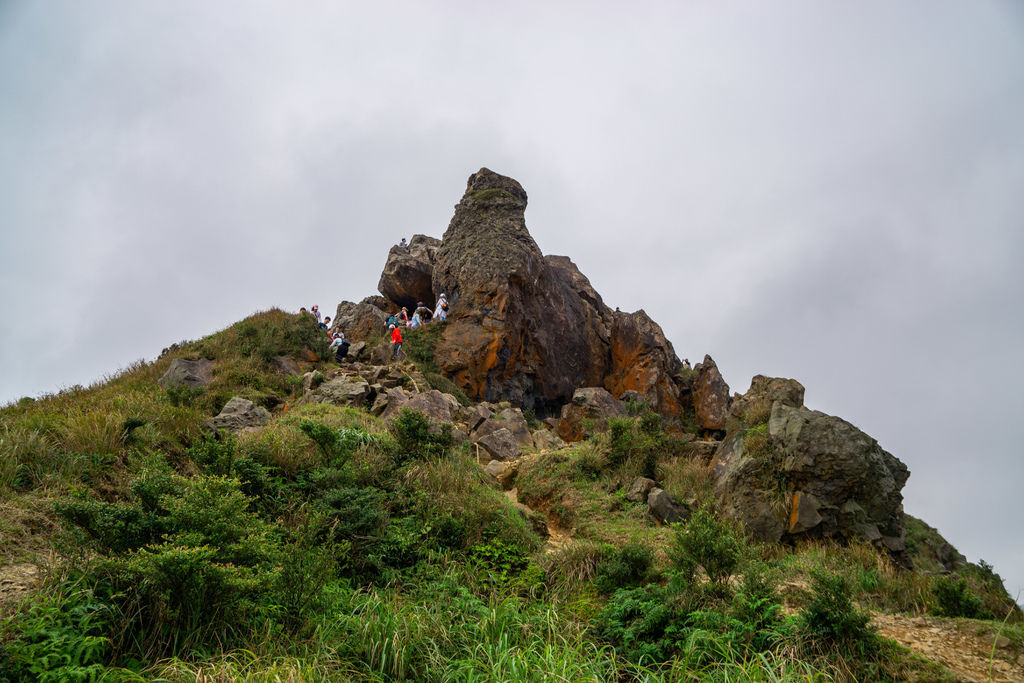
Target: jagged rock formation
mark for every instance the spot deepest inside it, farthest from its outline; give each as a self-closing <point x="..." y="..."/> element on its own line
<point x="525" y="327"/>
<point x="531" y="330"/>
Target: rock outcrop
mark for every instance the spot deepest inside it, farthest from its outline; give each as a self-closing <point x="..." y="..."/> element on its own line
<point x="518" y="327"/>
<point x="755" y="406"/>
<point x="642" y="360"/>
<point x="811" y="475"/>
<point x="189" y="373"/>
<point x="238" y="414"/>
<point x="710" y="396"/>
<point x="592" y="405"/>
<point x="408" y="273"/>
<point x="359" y="322"/>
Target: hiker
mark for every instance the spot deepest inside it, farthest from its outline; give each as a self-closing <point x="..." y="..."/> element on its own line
<point x="340" y="346"/>
<point x="303" y="311"/>
<point x="441" y="309"/>
<point x="403" y="316"/>
<point x="396" y="339"/>
<point x="316" y="313"/>
<point x="425" y="313"/>
<point x="326" y="324"/>
<point x="686" y="363"/>
<point x="403" y="244"/>
<point x="416" y="320"/>
<point x="392" y="321"/>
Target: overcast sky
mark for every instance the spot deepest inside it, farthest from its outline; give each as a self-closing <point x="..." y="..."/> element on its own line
<point x="829" y="191"/>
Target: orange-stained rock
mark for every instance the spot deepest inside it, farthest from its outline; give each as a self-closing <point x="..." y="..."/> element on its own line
<point x="522" y="327"/>
<point x="643" y="360"/>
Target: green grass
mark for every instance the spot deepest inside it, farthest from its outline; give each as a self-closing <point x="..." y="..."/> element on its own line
<point x="332" y="545"/>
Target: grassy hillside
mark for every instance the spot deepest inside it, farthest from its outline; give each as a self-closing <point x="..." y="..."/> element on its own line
<point x="332" y="545"/>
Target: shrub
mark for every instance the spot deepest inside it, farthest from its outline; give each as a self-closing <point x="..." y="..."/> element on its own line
<point x="630" y="565"/>
<point x="709" y="543"/>
<point x="413" y="439"/>
<point x="644" y="623"/>
<point x="337" y="445"/>
<point x="832" y="620"/>
<point x="954" y="599"/>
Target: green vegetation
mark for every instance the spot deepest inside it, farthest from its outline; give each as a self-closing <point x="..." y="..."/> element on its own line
<point x="332" y="545"/>
<point x="489" y="194"/>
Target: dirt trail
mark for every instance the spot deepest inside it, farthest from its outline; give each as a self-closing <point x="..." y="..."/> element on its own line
<point x="954" y="645"/>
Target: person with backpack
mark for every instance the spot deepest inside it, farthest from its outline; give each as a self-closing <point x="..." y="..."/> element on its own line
<point x="396" y="339"/>
<point x="441" y="309"/>
<point x="340" y="346"/>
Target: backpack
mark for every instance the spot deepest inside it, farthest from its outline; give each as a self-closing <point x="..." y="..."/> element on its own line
<point x="444" y="306"/>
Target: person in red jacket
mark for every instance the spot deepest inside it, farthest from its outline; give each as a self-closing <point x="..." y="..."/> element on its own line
<point x="396" y="339"/>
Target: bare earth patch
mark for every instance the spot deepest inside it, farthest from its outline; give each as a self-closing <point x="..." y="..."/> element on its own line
<point x="953" y="645"/>
<point x="17" y="581"/>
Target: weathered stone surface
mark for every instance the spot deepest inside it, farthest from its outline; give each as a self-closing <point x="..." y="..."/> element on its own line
<point x="474" y="415"/>
<point x="408" y="273"/>
<point x="310" y="381"/>
<point x="284" y="365"/>
<point x="710" y="396"/>
<point x="503" y="472"/>
<point x="661" y="506"/>
<point x="642" y="360"/>
<point x="507" y="418"/>
<point x="380" y="302"/>
<point x="359" y="322"/>
<point x="757" y="402"/>
<point x="547" y="440"/>
<point x="431" y="403"/>
<point x="588" y="403"/>
<point x="518" y="327"/>
<point x="343" y="391"/>
<point x="190" y="373"/>
<point x="639" y="489"/>
<point x="500" y="445"/>
<point x="812" y="475"/>
<point x="356" y="350"/>
<point x="239" y="413"/>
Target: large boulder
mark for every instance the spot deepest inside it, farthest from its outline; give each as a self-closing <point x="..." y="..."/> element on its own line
<point x="510" y="419"/>
<point x="643" y="361"/>
<point x="189" y="373"/>
<point x="518" y="328"/>
<point x="408" y="273"/>
<point x="343" y="391"/>
<point x="665" y="510"/>
<point x="360" y="322"/>
<point x="755" y="406"/>
<point x="811" y="475"/>
<point x="589" y="404"/>
<point x="710" y="396"/>
<point x="500" y="445"/>
<point x="433" y="404"/>
<point x="240" y="413"/>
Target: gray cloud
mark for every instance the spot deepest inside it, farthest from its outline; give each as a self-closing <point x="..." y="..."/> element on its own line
<point x="827" y="191"/>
